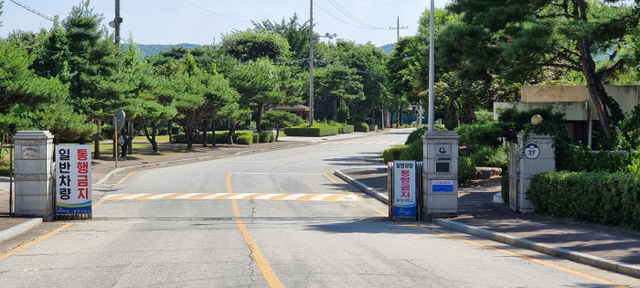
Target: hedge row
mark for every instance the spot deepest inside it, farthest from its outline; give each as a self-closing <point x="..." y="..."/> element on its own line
<point x="311" y="131"/>
<point x="360" y="127"/>
<point x="221" y="137"/>
<point x="599" y="197"/>
<point x="346" y="129"/>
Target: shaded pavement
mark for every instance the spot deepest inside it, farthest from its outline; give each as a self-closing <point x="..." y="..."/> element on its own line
<point x="476" y="208"/>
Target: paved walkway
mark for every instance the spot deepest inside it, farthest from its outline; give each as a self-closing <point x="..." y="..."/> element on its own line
<point x="602" y="246"/>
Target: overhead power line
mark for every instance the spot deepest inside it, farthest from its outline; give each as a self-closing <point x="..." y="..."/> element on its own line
<point x="221" y="15"/>
<point x="368" y="9"/>
<point x="345" y="22"/>
<point x="52" y="20"/>
<point x="348" y="14"/>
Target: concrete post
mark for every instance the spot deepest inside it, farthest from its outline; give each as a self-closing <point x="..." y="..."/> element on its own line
<point x="35" y="195"/>
<point x="537" y="156"/>
<point x="440" y="173"/>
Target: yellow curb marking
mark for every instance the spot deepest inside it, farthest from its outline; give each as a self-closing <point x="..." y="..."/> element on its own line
<point x="125" y="177"/>
<point x="603" y="281"/>
<point x="38" y="240"/>
<point x="263" y="265"/>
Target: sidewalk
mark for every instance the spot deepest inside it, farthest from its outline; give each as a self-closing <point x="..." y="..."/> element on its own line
<point x="105" y="174"/>
<point x="609" y="248"/>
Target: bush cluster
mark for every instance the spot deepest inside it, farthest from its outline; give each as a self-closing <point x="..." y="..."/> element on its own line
<point x="311" y="131"/>
<point x="486" y="156"/>
<point x="221" y="137"/>
<point x="607" y="198"/>
<point x="393" y="153"/>
<point x="360" y="126"/>
<point x="480" y="134"/>
<point x="346" y="129"/>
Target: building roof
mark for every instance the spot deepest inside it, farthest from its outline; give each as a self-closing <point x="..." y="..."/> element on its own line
<point x="292" y="108"/>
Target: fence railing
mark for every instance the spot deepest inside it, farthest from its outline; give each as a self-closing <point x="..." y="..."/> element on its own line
<point x="7" y="194"/>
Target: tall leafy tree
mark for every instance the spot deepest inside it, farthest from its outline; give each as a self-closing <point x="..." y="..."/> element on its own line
<point x="336" y="83"/>
<point x="253" y="45"/>
<point x="518" y="39"/>
<point x="296" y="34"/>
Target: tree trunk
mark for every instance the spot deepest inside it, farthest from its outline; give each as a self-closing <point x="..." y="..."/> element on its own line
<point x="232" y="129"/>
<point x="130" y="138"/>
<point x="213" y="134"/>
<point x="204" y="133"/>
<point x="96" y="153"/>
<point x="373" y="116"/>
<point x="277" y="132"/>
<point x="335" y="109"/>
<point x="259" y="118"/>
<point x="594" y="83"/>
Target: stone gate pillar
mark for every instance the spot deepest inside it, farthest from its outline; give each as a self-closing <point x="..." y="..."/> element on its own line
<point x="440" y="173"/>
<point x="536" y="156"/>
<point x="35" y="194"/>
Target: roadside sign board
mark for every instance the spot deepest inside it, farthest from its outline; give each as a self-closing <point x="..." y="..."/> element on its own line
<point x="118" y="121"/>
<point x="404" y="189"/>
<point x="442" y="186"/>
<point x="73" y="179"/>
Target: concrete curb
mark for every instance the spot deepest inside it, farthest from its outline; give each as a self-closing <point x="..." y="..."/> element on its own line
<point x="382" y="197"/>
<point x="19" y="229"/>
<point x="583" y="258"/>
<point x="598" y="262"/>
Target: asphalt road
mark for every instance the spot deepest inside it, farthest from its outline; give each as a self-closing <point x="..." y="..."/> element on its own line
<point x="270" y="220"/>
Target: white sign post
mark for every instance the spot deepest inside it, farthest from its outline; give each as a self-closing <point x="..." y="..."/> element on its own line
<point x="73" y="179"/>
<point x="404" y="189"/>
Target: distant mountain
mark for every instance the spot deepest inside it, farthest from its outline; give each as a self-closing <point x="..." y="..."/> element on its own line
<point x="149" y="50"/>
<point x="387" y="48"/>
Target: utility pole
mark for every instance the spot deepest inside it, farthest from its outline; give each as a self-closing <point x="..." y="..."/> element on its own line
<point x="431" y="65"/>
<point x="397" y="28"/>
<point x="311" y="60"/>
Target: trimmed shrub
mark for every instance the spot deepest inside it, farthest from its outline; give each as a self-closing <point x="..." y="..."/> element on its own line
<point x="311" y="131"/>
<point x="485" y="156"/>
<point x="244" y="139"/>
<point x="267" y="137"/>
<point x="413" y="152"/>
<point x="480" y="134"/>
<point x="466" y="169"/>
<point x="256" y="137"/>
<point x="4" y="170"/>
<point x="599" y="197"/>
<point x="346" y="129"/>
<point x="504" y="189"/>
<point x="360" y="127"/>
<point x="393" y="153"/>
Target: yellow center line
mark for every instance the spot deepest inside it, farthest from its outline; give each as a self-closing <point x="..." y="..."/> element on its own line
<point x="294" y="157"/>
<point x="603" y="281"/>
<point x="263" y="265"/>
<point x="125" y="177"/>
<point x="229" y="190"/>
<point x="38" y="240"/>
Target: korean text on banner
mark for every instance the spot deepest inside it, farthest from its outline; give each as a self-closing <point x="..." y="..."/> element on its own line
<point x="73" y="179"/>
<point x="404" y="189"/>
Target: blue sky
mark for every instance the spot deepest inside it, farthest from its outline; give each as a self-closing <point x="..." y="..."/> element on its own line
<point x="202" y="21"/>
